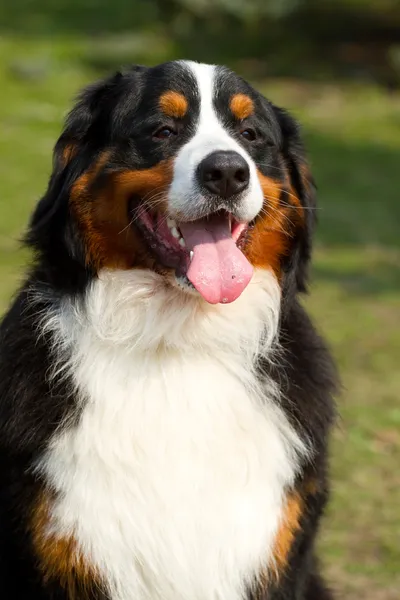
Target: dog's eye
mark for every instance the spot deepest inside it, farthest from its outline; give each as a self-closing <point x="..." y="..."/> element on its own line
<point x="164" y="132"/>
<point x="248" y="134"/>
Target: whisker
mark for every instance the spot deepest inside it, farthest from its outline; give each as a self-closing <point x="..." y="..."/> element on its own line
<point x="286" y="191"/>
<point x="274" y="209"/>
<point x="126" y="226"/>
<point x="291" y="195"/>
<point x="155" y="200"/>
<point x="265" y="211"/>
<point x="154" y="191"/>
<point x="270" y="166"/>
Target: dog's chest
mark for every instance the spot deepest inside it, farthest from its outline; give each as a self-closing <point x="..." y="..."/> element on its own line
<point x="173" y="480"/>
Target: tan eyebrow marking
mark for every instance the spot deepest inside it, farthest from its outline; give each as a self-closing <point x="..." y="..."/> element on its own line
<point x="242" y="106"/>
<point x="173" y="104"/>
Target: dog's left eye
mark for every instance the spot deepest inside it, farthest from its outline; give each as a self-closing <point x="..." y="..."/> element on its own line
<point x="164" y="132"/>
<point x="248" y="134"/>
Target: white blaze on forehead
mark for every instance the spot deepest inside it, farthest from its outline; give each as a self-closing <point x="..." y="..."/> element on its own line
<point x="215" y="137"/>
<point x="210" y="136"/>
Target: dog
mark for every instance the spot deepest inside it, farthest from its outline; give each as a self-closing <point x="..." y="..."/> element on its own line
<point x="165" y="401"/>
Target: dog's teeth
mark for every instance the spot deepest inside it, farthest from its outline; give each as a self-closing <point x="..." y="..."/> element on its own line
<point x="182" y="242"/>
<point x="191" y="254"/>
<point x="175" y="233"/>
<point x="230" y="222"/>
<point x="171" y="223"/>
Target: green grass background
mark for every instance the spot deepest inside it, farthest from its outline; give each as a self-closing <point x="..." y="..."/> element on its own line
<point x="353" y="136"/>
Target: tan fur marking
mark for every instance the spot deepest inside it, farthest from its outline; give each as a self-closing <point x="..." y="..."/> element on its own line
<point x="269" y="241"/>
<point x="311" y="488"/>
<point x="242" y="106"/>
<point x="289" y="526"/>
<point x="104" y="219"/>
<point x="59" y="558"/>
<point x="269" y="238"/>
<point x="173" y="104"/>
<point x="68" y="154"/>
<point x="83" y="182"/>
<point x="306" y="177"/>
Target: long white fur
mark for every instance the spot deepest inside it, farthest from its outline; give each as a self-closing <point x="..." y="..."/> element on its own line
<point x="173" y="481"/>
<point x="210" y="136"/>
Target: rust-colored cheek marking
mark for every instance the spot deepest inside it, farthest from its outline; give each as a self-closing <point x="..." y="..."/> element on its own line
<point x="173" y="104"/>
<point x="82" y="184"/>
<point x="270" y="238"/>
<point x="59" y="558"/>
<point x="242" y="106"/>
<point x="103" y="212"/>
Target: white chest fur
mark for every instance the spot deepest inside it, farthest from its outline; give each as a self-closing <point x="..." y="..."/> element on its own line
<point x="173" y="481"/>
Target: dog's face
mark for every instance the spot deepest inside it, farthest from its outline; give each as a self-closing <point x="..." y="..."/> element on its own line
<point x="184" y="169"/>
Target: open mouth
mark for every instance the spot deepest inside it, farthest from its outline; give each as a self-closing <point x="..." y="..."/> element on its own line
<point x="206" y="251"/>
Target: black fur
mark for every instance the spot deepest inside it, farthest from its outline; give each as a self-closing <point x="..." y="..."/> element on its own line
<point x="115" y="113"/>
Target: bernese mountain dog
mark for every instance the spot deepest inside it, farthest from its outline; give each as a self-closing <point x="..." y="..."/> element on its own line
<point x="165" y="401"/>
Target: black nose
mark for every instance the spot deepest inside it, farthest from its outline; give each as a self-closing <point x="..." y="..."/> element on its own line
<point x="224" y="173"/>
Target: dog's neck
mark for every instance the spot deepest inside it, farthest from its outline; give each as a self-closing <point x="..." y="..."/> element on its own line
<point x="139" y="312"/>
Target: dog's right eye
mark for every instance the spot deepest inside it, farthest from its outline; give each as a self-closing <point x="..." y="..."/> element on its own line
<point x="164" y="132"/>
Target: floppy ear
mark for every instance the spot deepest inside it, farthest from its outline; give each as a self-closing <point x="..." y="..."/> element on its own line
<point x="52" y="232"/>
<point x="296" y="268"/>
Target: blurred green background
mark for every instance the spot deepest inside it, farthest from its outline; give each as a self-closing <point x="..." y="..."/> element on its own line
<point x="336" y="66"/>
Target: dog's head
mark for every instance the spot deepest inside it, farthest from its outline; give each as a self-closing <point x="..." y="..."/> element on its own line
<point x="184" y="169"/>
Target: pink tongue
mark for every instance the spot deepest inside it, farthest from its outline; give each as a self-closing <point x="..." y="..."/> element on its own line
<point x="218" y="270"/>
